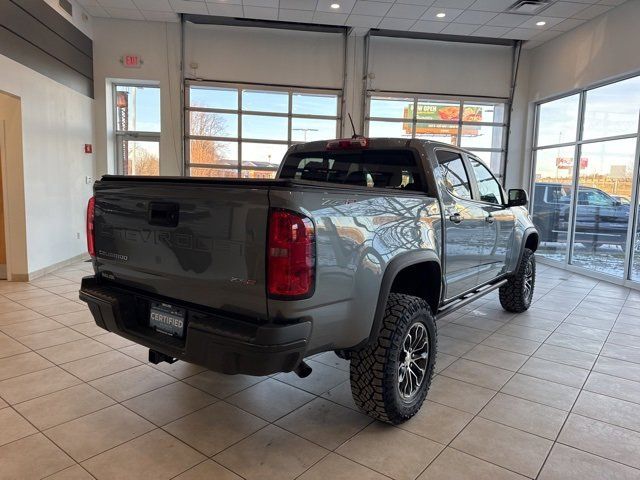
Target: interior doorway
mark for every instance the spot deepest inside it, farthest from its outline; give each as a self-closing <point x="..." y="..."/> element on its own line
<point x="13" y="231"/>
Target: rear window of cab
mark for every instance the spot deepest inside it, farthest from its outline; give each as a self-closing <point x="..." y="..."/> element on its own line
<point x="390" y="169"/>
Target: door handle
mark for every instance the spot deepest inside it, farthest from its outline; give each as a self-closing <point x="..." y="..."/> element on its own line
<point x="489" y="219"/>
<point x="163" y="214"/>
<point x="455" y="218"/>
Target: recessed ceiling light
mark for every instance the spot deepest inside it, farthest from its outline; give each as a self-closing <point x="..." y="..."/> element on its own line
<point x="441" y="15"/>
<point x="335" y="6"/>
<point x="541" y="24"/>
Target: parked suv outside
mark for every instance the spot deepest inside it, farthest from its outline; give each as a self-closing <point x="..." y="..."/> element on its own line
<point x="600" y="218"/>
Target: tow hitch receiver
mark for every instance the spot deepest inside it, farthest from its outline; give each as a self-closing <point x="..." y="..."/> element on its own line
<point x="157" y="357"/>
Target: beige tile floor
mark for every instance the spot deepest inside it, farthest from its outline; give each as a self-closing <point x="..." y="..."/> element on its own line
<point x="552" y="394"/>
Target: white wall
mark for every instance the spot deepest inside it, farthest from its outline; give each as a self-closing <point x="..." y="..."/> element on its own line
<point x="439" y="67"/>
<point x="308" y="59"/>
<point x="516" y="158"/>
<point x="56" y="123"/>
<point x="602" y="49"/>
<point x="158" y="44"/>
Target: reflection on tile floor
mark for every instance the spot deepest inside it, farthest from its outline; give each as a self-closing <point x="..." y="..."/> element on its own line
<point x="553" y="393"/>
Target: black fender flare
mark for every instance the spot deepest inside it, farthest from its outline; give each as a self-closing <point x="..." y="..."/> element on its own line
<point x="392" y="269"/>
<point x="525" y="236"/>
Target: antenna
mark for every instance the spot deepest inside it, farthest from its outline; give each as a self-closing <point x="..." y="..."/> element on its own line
<point x="353" y="127"/>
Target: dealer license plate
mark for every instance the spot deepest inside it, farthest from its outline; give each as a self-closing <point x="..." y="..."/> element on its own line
<point x="167" y="319"/>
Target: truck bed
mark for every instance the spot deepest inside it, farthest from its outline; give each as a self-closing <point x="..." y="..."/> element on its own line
<point x="196" y="240"/>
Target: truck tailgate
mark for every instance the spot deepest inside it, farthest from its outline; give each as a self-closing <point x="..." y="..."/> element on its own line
<point x="204" y="245"/>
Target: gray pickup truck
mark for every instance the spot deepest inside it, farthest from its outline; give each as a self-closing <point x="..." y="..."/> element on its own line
<point x="358" y="246"/>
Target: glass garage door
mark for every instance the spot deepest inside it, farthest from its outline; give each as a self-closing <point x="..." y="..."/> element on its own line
<point x="478" y="125"/>
<point x="585" y="203"/>
<point x="240" y="130"/>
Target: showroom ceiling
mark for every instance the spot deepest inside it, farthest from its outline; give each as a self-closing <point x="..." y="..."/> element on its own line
<point x="486" y="18"/>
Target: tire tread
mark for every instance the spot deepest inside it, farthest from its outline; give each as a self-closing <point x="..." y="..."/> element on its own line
<point x="372" y="390"/>
<point x="511" y="293"/>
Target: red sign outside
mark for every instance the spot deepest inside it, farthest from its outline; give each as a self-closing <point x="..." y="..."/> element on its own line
<point x="566" y="163"/>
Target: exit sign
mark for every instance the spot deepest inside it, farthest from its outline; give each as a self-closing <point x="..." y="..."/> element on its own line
<point x="131" y="61"/>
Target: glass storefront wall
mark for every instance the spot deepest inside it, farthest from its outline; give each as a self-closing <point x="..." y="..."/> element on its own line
<point x="584" y="179"/>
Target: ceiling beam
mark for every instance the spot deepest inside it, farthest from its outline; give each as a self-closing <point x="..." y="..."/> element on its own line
<point x="441" y="37"/>
<point x="249" y="22"/>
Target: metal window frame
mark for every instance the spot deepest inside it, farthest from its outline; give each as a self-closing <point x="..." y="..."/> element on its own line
<point x="417" y="97"/>
<point x="629" y="252"/>
<point x="121" y="136"/>
<point x="290" y="90"/>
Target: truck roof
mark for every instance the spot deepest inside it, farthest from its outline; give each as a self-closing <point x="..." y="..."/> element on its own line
<point x="376" y="142"/>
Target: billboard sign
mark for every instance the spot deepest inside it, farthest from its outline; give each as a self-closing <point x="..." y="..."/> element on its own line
<point x="441" y="112"/>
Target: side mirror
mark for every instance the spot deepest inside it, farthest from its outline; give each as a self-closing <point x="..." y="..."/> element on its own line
<point x="517" y="197"/>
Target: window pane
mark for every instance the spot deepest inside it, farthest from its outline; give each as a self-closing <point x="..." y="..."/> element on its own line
<point x="264" y="128"/>
<point x="385" y="107"/>
<point x="209" y="124"/>
<point x="309" y="129"/>
<point x="142" y="157"/>
<point x="446" y="133"/>
<point x="213" y="152"/>
<point x="558" y="122"/>
<point x="315" y="104"/>
<point x="491" y="159"/>
<point x="378" y="128"/>
<point x="489" y="188"/>
<point x="606" y="171"/>
<point x="489" y="112"/>
<point x="612" y="110"/>
<point x="262" y="154"/>
<point x="454" y="174"/>
<point x="212" y="97"/>
<point x="552" y="200"/>
<point x="213" y="172"/>
<point x="438" y="110"/>
<point x="481" y="136"/>
<point x="258" y="173"/>
<point x="137" y="109"/>
<point x="370" y="168"/>
<point x="265" y="101"/>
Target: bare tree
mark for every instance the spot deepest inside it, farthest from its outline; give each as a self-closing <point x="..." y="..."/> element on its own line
<point x="206" y="124"/>
<point x="142" y="161"/>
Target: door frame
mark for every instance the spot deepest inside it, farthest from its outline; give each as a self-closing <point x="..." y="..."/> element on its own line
<point x="5" y="202"/>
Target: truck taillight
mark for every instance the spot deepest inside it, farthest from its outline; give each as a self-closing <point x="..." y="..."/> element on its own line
<point x="91" y="209"/>
<point x="291" y="256"/>
<point x="354" y="143"/>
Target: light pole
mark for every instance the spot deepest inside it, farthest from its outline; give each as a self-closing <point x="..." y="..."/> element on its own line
<point x="305" y="130"/>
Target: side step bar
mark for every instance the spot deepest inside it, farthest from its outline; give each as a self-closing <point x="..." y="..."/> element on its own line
<point x="469" y="297"/>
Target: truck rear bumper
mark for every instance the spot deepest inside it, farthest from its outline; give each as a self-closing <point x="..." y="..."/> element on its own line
<point x="214" y="341"/>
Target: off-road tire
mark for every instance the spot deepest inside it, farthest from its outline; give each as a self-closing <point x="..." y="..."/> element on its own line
<point x="374" y="368"/>
<point x="514" y="296"/>
<point x="343" y="354"/>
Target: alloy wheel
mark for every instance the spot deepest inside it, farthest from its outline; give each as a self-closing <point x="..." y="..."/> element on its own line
<point x="528" y="279"/>
<point x="413" y="361"/>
